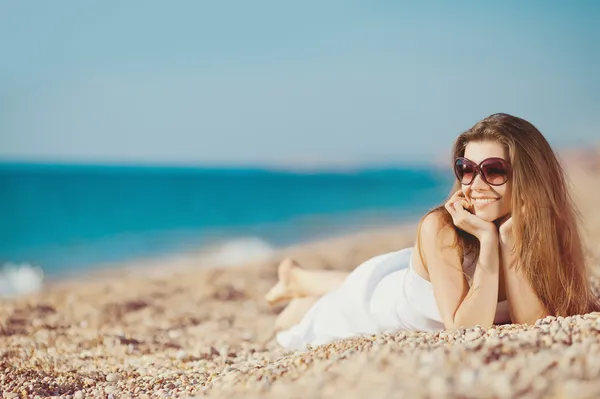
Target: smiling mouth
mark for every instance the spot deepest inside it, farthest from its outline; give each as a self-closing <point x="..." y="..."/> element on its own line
<point x="483" y="201"/>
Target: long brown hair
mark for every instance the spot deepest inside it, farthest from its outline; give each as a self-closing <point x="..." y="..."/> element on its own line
<point x="547" y="240"/>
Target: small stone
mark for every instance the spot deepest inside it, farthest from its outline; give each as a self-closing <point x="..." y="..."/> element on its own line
<point x="437" y="387"/>
<point x="501" y="386"/>
<point x="110" y="389"/>
<point x="113" y="377"/>
<point x="467" y="377"/>
<point x="78" y="395"/>
<point x="246" y="336"/>
<point x="12" y="395"/>
<point x="37" y="323"/>
<point x="539" y="384"/>
<point x="89" y="381"/>
<point x="472" y="336"/>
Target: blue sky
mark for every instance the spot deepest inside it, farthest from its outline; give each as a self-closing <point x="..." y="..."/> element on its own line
<point x="288" y="84"/>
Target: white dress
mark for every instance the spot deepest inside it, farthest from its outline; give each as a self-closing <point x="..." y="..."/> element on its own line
<point x="383" y="294"/>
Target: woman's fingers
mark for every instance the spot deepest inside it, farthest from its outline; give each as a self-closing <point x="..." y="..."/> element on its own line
<point x="461" y="212"/>
<point x="457" y="208"/>
<point x="457" y="215"/>
<point x="448" y="206"/>
<point x="455" y="197"/>
<point x="463" y="204"/>
<point x="464" y="219"/>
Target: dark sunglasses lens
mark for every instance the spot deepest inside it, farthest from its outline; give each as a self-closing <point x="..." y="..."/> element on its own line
<point x="495" y="172"/>
<point x="464" y="171"/>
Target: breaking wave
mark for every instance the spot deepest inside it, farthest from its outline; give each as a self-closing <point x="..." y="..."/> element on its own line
<point x="19" y="279"/>
<point x="238" y="251"/>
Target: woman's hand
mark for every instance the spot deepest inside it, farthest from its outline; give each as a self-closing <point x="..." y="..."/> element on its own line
<point x="505" y="228"/>
<point x="457" y="207"/>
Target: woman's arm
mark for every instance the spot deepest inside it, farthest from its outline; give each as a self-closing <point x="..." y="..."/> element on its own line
<point x="524" y="305"/>
<point x="459" y="304"/>
<point x="479" y="305"/>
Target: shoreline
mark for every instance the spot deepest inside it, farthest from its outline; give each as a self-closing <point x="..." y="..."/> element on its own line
<point x="229" y="248"/>
<point x="189" y="262"/>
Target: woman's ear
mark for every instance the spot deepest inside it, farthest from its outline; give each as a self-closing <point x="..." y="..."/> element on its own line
<point x="522" y="204"/>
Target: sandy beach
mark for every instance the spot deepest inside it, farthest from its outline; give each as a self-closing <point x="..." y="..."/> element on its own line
<point x="186" y="330"/>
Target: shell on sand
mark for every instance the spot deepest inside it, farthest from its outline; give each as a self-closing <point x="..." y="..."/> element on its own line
<point x="196" y="332"/>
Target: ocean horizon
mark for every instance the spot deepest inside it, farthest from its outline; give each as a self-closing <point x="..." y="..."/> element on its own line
<point x="68" y="218"/>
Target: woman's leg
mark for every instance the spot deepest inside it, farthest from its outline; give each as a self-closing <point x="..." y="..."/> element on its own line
<point x="297" y="282"/>
<point x="294" y="312"/>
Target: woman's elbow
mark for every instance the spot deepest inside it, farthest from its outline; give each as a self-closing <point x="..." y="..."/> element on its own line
<point x="457" y="324"/>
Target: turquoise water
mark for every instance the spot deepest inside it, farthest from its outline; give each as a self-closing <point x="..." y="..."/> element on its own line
<point x="66" y="218"/>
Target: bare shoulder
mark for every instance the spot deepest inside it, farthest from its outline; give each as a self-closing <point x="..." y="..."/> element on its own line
<point x="436" y="239"/>
<point x="436" y="229"/>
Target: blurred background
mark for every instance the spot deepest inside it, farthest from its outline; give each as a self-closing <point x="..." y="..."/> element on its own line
<point x="145" y="129"/>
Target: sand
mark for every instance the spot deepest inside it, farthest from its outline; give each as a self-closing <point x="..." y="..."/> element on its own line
<point x="182" y="329"/>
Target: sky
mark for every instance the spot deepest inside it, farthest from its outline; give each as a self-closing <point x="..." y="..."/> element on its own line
<point x="291" y="84"/>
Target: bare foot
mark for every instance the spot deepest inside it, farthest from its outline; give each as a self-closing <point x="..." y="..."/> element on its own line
<point x="286" y="288"/>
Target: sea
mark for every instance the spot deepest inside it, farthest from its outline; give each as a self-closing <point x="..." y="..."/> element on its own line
<point x="69" y="219"/>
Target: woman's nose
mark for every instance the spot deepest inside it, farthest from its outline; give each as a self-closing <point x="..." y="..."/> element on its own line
<point x="478" y="182"/>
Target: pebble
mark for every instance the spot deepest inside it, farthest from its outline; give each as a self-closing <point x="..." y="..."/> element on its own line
<point x="181" y="355"/>
<point x="113" y="377"/>
<point x="110" y="389"/>
<point x="472" y="336"/>
<point x="89" y="381"/>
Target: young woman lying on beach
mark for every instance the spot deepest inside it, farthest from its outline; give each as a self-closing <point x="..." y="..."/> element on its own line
<point x="504" y="248"/>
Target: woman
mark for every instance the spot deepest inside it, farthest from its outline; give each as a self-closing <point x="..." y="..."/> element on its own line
<point x="503" y="248"/>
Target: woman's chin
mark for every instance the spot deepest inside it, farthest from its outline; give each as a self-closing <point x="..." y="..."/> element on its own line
<point x="488" y="216"/>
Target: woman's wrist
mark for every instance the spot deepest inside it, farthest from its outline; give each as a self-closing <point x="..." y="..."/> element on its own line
<point x="489" y="253"/>
<point x="488" y="237"/>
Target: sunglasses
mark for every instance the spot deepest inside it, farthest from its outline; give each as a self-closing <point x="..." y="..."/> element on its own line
<point x="493" y="171"/>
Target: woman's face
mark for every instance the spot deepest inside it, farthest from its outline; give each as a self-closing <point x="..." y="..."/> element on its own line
<point x="479" y="193"/>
